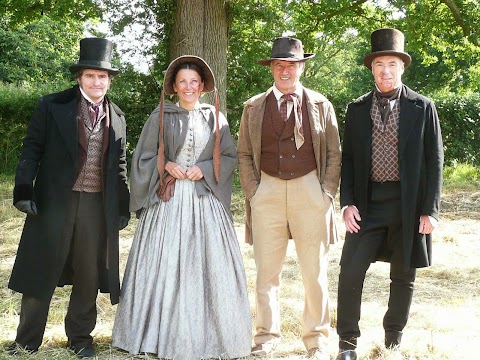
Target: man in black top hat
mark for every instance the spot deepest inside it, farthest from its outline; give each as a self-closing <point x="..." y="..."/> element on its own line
<point x="289" y="162"/>
<point x="390" y="190"/>
<point x="71" y="181"/>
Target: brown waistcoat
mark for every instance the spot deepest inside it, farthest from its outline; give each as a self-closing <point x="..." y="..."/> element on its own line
<point x="280" y="157"/>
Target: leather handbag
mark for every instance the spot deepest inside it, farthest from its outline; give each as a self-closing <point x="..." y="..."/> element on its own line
<point x="167" y="189"/>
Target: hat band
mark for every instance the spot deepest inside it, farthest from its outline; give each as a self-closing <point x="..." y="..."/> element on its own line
<point x="97" y="63"/>
<point x="287" y="55"/>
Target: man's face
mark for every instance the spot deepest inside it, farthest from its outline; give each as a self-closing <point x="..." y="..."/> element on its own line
<point x="286" y="74"/>
<point x="94" y="83"/>
<point x="387" y="71"/>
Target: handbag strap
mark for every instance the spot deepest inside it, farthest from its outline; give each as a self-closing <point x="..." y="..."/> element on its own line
<point x="161" y="146"/>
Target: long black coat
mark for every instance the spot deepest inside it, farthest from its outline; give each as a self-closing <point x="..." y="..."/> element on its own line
<point x="46" y="173"/>
<point x="421" y="163"/>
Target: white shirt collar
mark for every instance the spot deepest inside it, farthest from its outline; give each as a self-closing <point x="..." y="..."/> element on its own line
<point x="278" y="94"/>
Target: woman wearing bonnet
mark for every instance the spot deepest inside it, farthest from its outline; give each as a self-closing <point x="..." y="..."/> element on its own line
<point x="184" y="293"/>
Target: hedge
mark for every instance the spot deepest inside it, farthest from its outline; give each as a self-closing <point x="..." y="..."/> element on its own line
<point x="459" y="116"/>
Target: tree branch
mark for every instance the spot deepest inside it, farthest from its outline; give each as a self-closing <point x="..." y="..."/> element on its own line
<point x="458" y="17"/>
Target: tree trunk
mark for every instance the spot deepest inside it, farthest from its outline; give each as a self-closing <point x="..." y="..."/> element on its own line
<point x="201" y="29"/>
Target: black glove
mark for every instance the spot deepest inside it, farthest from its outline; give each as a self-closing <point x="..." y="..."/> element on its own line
<point x="122" y="222"/>
<point x="27" y="206"/>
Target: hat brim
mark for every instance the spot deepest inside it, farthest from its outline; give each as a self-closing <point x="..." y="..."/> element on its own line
<point x="367" y="61"/>
<point x="208" y="81"/>
<point x="75" y="68"/>
<point x="267" y="62"/>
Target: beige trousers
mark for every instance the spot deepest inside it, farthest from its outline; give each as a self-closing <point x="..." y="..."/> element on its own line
<point x="301" y="207"/>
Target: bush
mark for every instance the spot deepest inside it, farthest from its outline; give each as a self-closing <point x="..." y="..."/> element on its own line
<point x="460" y="122"/>
<point x="16" y="107"/>
<point x="461" y="175"/>
<point x="138" y="94"/>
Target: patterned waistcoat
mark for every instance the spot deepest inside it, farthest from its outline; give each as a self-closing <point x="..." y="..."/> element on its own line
<point x="385" y="139"/>
<point x="89" y="177"/>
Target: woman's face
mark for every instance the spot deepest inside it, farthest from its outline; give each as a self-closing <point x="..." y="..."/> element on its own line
<point x="188" y="86"/>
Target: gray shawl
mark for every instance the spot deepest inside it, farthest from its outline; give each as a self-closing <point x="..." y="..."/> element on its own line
<point x="144" y="179"/>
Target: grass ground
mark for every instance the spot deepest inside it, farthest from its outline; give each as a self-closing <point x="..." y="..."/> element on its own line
<point x="445" y="315"/>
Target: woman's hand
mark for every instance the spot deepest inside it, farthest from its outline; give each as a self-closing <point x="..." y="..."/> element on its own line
<point x="194" y="173"/>
<point x="175" y="170"/>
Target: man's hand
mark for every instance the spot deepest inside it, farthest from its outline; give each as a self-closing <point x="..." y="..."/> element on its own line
<point x="427" y="224"/>
<point x="351" y="216"/>
<point x="122" y="222"/>
<point x="27" y="206"/>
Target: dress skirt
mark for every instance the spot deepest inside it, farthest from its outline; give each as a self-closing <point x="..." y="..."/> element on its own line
<point x="184" y="293"/>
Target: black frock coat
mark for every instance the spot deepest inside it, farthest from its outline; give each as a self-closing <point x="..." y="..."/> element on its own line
<point x="46" y="173"/>
<point x="421" y="163"/>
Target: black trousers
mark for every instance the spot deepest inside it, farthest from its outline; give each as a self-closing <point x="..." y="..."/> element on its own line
<point x="381" y="229"/>
<point x="84" y="234"/>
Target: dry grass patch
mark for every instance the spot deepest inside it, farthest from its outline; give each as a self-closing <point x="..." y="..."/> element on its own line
<point x="445" y="314"/>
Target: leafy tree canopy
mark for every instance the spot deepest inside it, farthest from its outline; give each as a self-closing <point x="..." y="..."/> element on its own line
<point x="18" y="12"/>
<point x="443" y="38"/>
<point x="38" y="52"/>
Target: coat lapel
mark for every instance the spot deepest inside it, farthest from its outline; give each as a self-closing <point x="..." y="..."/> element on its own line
<point x="364" y="128"/>
<point x="409" y="113"/>
<point x="255" y="126"/>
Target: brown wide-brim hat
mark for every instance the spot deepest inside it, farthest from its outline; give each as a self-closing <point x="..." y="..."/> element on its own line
<point x="170" y="73"/>
<point x="288" y="49"/>
<point x="385" y="42"/>
<point x="96" y="54"/>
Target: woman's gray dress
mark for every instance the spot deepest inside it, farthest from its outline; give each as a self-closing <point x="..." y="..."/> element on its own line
<point x="184" y="293"/>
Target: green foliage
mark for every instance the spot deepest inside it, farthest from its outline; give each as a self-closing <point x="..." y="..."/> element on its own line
<point x="18" y="12"/>
<point x="254" y="25"/>
<point x="38" y="52"/>
<point x="146" y="26"/>
<point x="461" y="175"/>
<point x="444" y="44"/>
<point x="460" y="122"/>
<point x="442" y="38"/>
<point x="137" y="95"/>
<point x="16" y="107"/>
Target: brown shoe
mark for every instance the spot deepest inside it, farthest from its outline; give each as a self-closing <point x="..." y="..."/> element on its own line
<point x="261" y="350"/>
<point x="318" y="354"/>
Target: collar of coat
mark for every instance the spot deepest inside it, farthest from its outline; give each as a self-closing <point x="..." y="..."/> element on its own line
<point x="66" y="96"/>
<point x="406" y="93"/>
<point x="171" y="108"/>
<point x="313" y="97"/>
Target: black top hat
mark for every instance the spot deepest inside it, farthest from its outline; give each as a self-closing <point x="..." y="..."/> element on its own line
<point x="288" y="49"/>
<point x="95" y="53"/>
<point x="207" y="76"/>
<point x="387" y="42"/>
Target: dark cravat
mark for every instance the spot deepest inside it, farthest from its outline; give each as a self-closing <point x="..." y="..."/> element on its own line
<point x="384" y="102"/>
<point x="93" y="110"/>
